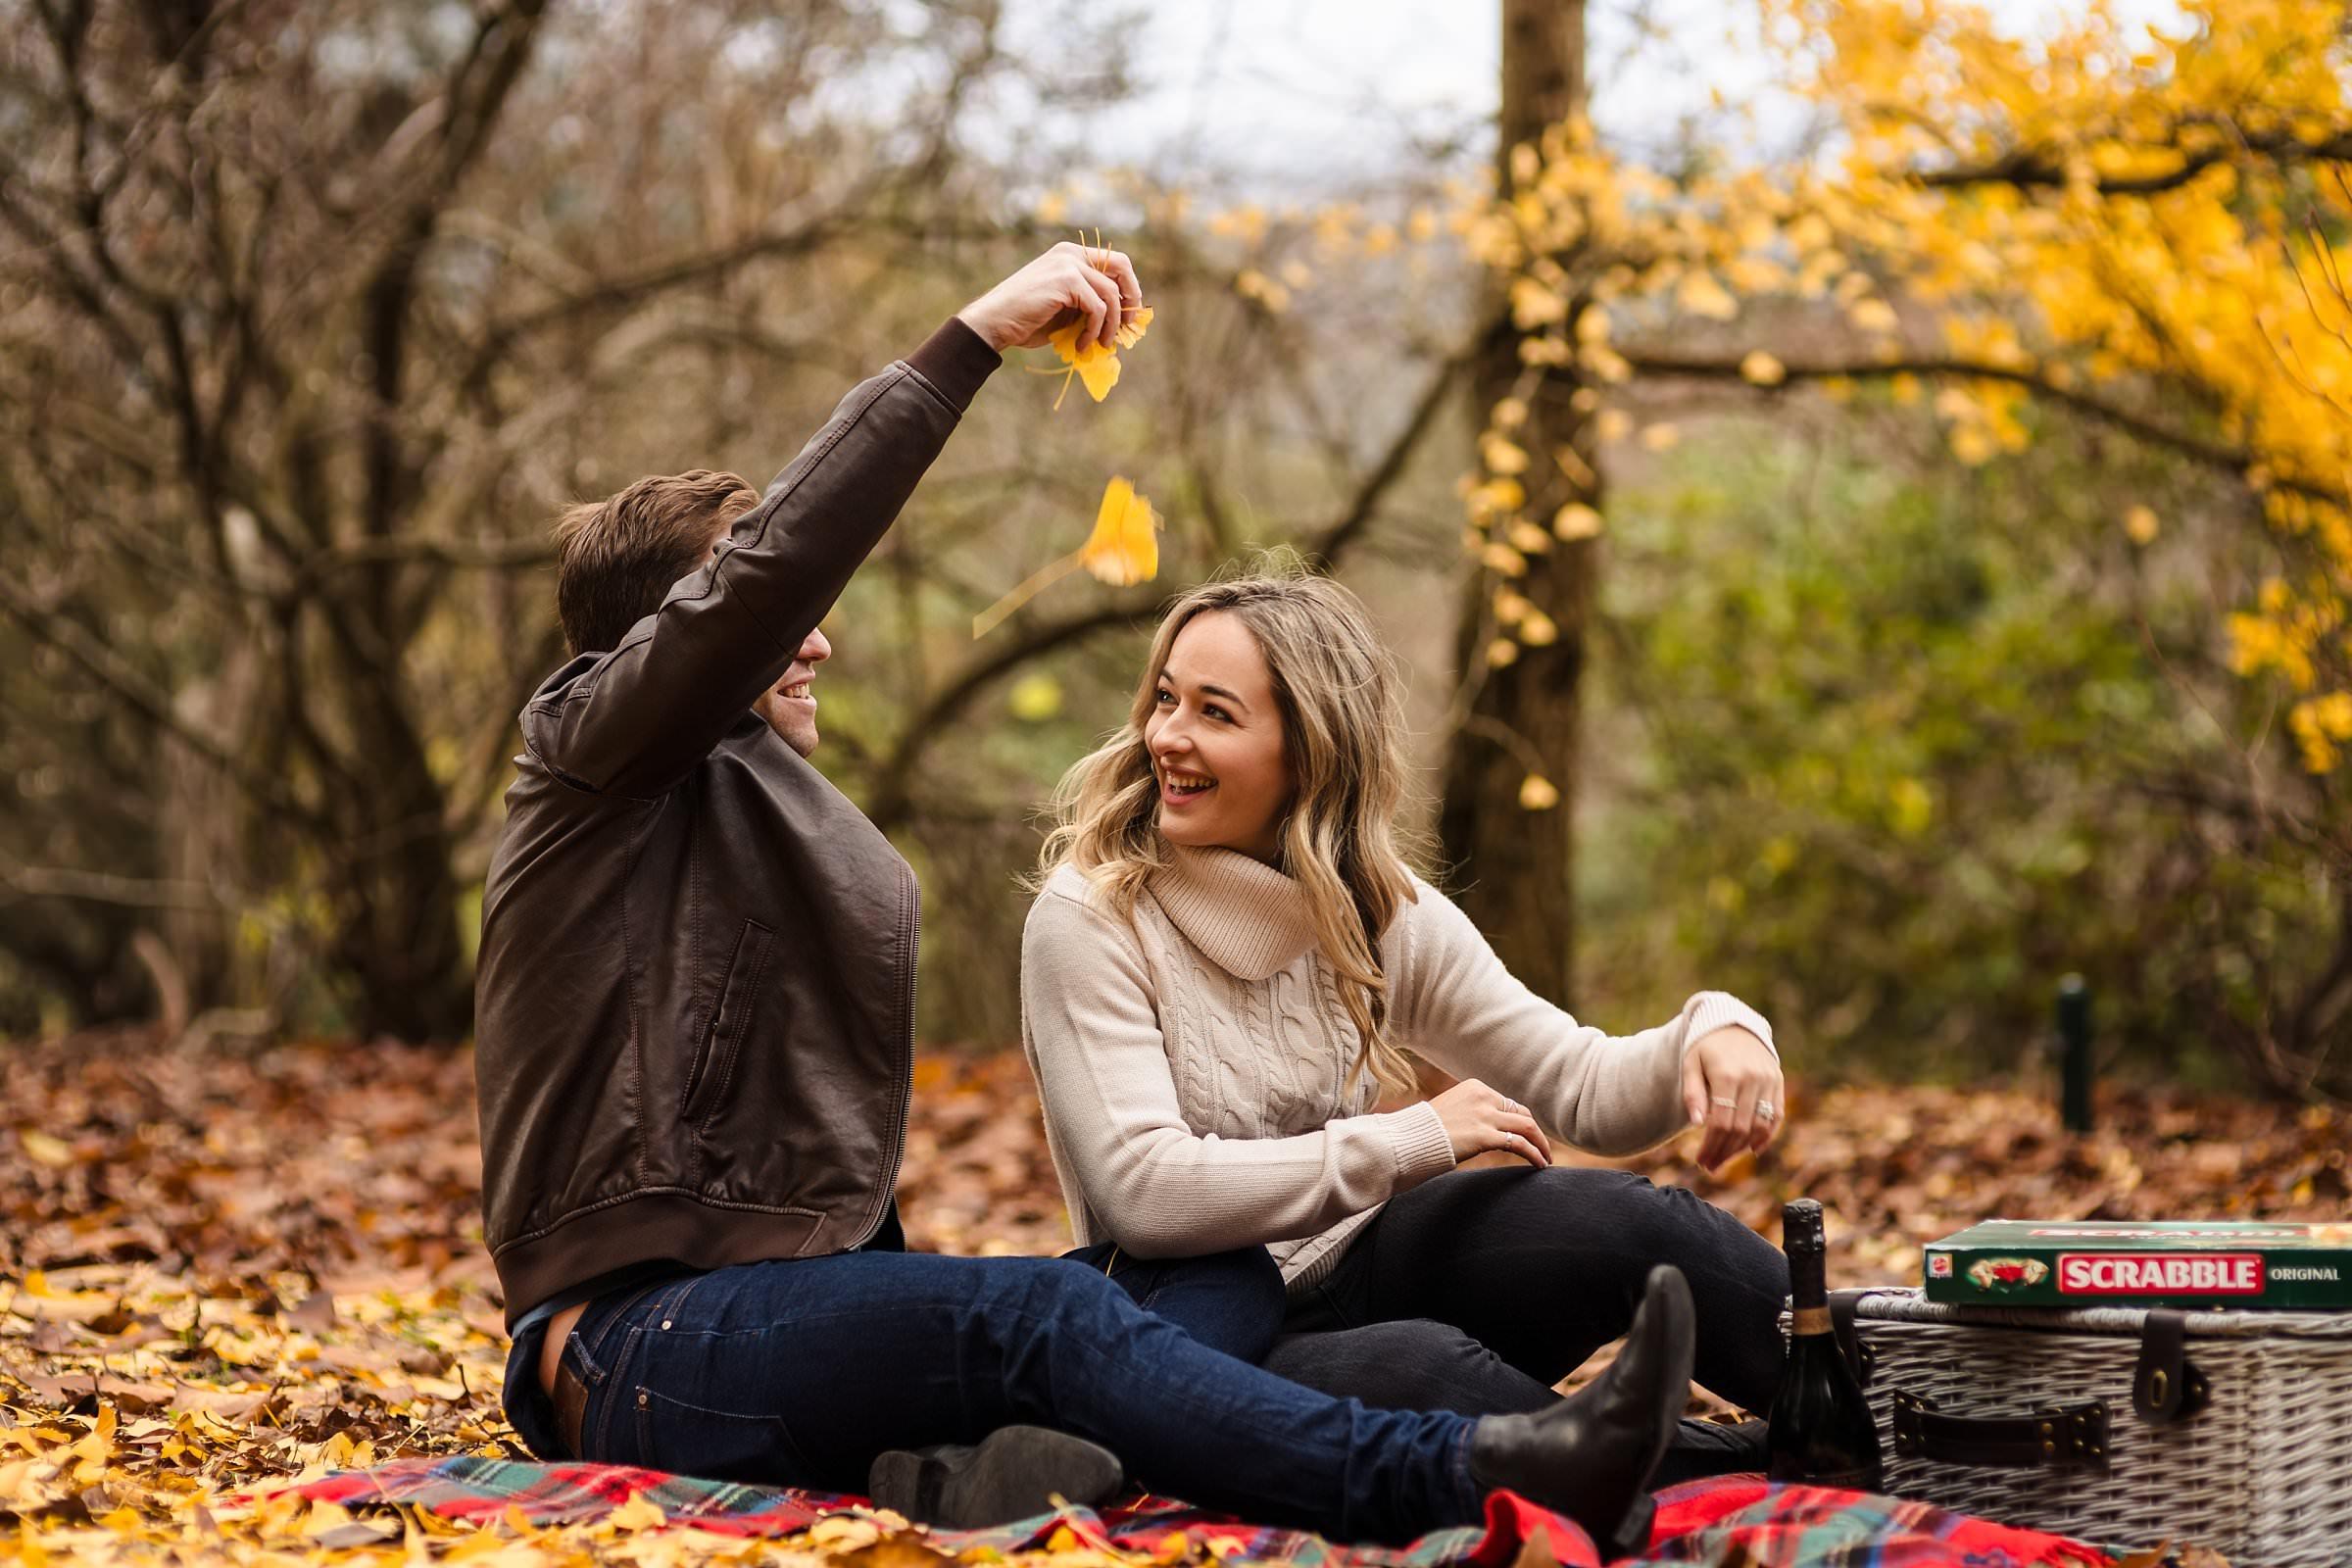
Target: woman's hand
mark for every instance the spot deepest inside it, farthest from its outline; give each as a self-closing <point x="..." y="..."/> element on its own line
<point x="1732" y="1083"/>
<point x="1479" y="1119"/>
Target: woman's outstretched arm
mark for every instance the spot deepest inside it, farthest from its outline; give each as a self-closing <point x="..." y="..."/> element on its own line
<point x="1453" y="1001"/>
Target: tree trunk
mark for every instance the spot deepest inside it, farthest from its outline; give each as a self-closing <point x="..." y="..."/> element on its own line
<point x="1514" y="865"/>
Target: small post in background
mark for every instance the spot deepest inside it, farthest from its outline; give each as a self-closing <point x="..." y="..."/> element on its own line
<point x="2073" y="1039"/>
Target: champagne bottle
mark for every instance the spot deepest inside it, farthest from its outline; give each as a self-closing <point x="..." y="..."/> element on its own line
<point x="1821" y="1430"/>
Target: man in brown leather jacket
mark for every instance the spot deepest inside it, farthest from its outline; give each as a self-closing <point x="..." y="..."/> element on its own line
<point x="695" y="1016"/>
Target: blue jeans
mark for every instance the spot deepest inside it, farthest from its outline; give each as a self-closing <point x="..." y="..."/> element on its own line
<point x="800" y="1372"/>
<point x="1477" y="1292"/>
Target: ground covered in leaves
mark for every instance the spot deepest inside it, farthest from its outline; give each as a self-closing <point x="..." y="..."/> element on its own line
<point x="221" y="1269"/>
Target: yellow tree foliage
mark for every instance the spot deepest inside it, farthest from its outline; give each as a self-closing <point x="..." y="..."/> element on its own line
<point x="2143" y="226"/>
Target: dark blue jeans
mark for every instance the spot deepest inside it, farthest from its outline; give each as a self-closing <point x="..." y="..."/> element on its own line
<point x="1477" y="1292"/>
<point x="799" y="1373"/>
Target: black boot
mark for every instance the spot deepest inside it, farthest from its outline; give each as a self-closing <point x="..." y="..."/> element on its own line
<point x="1591" y="1456"/>
<point x="1014" y="1473"/>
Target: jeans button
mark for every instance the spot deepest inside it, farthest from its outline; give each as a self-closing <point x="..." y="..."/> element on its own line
<point x="666" y="1322"/>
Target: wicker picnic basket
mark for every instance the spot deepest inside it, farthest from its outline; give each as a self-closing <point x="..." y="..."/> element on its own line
<point x="2123" y="1427"/>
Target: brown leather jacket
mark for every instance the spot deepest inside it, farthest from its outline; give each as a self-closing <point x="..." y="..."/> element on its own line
<point x="694" y="1010"/>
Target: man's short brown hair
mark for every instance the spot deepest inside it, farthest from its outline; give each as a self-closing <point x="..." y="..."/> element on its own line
<point x="617" y="559"/>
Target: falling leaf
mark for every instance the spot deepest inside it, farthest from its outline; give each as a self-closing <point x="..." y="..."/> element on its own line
<point x="1537" y="793"/>
<point x="1123" y="549"/>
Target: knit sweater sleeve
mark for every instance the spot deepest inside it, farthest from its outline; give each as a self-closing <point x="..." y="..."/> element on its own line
<point x="1090" y="1018"/>
<point x="1453" y="1001"/>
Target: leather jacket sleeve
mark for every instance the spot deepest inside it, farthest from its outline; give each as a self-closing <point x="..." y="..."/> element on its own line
<point x="635" y="720"/>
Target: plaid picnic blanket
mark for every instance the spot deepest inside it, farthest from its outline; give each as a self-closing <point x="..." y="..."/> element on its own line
<point x="1727" y="1522"/>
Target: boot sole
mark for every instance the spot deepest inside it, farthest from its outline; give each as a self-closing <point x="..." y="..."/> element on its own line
<point x="1013" y="1473"/>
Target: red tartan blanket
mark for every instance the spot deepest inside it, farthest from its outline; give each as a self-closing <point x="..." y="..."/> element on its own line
<point x="1729" y="1522"/>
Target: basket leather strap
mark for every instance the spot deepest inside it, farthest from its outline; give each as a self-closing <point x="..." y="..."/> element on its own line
<point x="2166" y="1386"/>
<point x="2064" y="1437"/>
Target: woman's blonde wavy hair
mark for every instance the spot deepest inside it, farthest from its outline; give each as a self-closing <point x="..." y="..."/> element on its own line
<point x="1343" y="742"/>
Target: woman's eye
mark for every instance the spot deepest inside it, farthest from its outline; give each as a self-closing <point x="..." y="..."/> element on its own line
<point x="1215" y="712"/>
<point x="1166" y="696"/>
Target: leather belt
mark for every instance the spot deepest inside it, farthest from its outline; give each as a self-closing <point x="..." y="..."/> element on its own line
<point x="570" y="1397"/>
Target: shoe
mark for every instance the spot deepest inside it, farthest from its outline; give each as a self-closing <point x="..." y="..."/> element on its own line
<point x="1592" y="1455"/>
<point x="1013" y="1473"/>
<point x="1712" y="1449"/>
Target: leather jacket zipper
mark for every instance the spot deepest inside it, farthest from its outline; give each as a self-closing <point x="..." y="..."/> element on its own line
<point x="910" y="921"/>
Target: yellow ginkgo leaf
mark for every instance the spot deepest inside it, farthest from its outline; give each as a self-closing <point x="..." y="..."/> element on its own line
<point x="1537" y="793"/>
<point x="2139" y="524"/>
<point x="1092" y="363"/>
<point x="1124" y="548"/>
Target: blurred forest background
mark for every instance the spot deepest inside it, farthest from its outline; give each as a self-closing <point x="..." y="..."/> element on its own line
<point x="1874" y="544"/>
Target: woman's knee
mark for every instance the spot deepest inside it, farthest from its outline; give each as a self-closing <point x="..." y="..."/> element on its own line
<point x="1408" y="1365"/>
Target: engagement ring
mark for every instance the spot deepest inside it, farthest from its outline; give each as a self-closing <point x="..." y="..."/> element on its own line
<point x="1765" y="1111"/>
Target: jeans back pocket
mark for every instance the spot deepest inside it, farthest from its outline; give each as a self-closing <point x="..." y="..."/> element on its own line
<point x="691" y="1440"/>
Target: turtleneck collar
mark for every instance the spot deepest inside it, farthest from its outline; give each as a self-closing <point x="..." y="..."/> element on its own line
<point x="1251" y="920"/>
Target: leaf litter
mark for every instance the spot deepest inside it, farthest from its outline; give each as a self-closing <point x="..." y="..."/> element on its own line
<point x="223" y="1270"/>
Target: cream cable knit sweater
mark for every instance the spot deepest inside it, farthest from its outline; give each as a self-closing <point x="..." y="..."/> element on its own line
<point x="1193" y="1064"/>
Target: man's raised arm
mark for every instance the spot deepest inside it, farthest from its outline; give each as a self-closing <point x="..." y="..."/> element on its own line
<point x="637" y="719"/>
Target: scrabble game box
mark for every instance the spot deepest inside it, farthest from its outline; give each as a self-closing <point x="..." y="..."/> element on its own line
<point x="2232" y="1263"/>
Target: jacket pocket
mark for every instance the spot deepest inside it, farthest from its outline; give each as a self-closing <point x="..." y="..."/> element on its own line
<point x="715" y="1063"/>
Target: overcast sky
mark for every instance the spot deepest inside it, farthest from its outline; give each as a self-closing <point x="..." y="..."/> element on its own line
<point x="1322" y="89"/>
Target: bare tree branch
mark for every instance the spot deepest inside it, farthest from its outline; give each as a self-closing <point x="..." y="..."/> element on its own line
<point x="2232" y="460"/>
<point x="129" y="686"/>
<point x="2038" y="166"/>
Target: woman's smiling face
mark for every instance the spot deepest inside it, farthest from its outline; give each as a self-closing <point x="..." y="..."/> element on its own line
<point x="1215" y="741"/>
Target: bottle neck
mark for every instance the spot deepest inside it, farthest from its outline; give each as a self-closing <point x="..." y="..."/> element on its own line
<point x="1808" y="1292"/>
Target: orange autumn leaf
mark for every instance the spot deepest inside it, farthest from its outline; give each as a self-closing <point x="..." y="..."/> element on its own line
<point x="1123" y="549"/>
<point x="1091" y="363"/>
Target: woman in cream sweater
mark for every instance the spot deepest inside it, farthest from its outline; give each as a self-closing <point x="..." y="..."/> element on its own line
<point x="1225" y="964"/>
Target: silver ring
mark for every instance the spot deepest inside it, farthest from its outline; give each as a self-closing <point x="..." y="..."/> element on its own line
<point x="1765" y="1111"/>
<point x="1727" y="1101"/>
